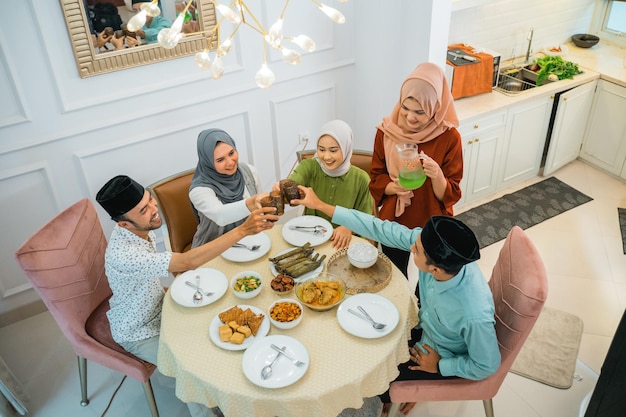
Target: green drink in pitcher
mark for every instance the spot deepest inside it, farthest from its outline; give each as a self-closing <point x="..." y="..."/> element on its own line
<point x="410" y="173"/>
<point x="412" y="180"/>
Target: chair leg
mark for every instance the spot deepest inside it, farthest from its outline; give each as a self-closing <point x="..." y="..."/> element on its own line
<point x="147" y="389"/>
<point x="488" y="404"/>
<point x="394" y="409"/>
<point x="82" y="374"/>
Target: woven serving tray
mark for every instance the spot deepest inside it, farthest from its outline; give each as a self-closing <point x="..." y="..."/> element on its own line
<point x="372" y="279"/>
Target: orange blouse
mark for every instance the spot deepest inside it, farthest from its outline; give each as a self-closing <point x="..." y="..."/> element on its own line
<point x="447" y="150"/>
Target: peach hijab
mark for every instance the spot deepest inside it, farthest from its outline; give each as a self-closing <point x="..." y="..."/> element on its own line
<point x="428" y="85"/>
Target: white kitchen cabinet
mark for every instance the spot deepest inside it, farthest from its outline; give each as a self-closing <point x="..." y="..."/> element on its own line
<point x="482" y="138"/>
<point x="569" y="125"/>
<point x="605" y="138"/>
<point x="526" y="130"/>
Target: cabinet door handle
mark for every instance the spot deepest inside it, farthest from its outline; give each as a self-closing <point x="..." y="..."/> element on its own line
<point x="476" y="126"/>
<point x="469" y="142"/>
<point x="476" y="140"/>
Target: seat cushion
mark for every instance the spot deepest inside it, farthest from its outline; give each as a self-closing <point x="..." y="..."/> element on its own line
<point x="98" y="327"/>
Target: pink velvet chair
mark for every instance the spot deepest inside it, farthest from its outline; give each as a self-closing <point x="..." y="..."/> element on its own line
<point x="64" y="260"/>
<point x="519" y="285"/>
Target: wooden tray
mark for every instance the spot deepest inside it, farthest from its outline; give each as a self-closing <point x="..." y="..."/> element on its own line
<point x="372" y="279"/>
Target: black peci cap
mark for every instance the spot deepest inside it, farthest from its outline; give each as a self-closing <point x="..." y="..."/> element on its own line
<point x="120" y="195"/>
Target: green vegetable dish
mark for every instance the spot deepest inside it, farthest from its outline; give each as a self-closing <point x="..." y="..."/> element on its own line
<point x="247" y="284"/>
<point x="557" y="66"/>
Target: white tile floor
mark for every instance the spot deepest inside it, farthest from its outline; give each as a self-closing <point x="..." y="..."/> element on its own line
<point x="582" y="251"/>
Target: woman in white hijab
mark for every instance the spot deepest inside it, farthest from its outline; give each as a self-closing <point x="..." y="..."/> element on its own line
<point x="333" y="178"/>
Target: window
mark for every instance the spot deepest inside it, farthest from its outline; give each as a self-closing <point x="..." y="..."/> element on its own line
<point x="613" y="15"/>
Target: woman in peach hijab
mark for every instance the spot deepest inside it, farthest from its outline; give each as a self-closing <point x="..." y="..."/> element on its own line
<point x="425" y="116"/>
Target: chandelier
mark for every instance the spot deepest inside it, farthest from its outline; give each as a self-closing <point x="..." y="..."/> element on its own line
<point x="239" y="15"/>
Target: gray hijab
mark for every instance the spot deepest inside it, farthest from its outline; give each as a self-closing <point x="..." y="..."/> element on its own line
<point x="228" y="188"/>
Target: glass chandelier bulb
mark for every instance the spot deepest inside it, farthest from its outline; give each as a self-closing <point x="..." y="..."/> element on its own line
<point x="137" y="21"/>
<point x="226" y="46"/>
<point x="275" y="34"/>
<point x="290" y="56"/>
<point x="203" y="60"/>
<point x="217" y="69"/>
<point x="151" y="9"/>
<point x="307" y="44"/>
<point x="334" y="14"/>
<point x="168" y="39"/>
<point x="228" y="13"/>
<point x="264" y="77"/>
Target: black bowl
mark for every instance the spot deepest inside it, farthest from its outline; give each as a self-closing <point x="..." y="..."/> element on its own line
<point x="584" y="40"/>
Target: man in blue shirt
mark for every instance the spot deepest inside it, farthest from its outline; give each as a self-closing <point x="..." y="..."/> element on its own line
<point x="455" y="336"/>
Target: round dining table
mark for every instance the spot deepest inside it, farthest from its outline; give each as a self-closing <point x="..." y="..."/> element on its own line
<point x="343" y="369"/>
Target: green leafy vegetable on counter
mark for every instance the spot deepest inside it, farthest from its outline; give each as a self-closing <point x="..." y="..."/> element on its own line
<point x="555" y="65"/>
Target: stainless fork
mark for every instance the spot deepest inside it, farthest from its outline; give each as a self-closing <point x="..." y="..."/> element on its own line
<point x="317" y="229"/>
<point x="295" y="361"/>
<point x="251" y="248"/>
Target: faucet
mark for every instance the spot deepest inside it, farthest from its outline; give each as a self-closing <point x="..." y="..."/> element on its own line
<point x="530" y="42"/>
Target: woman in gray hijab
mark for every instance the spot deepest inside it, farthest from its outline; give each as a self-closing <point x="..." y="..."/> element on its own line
<point x="223" y="191"/>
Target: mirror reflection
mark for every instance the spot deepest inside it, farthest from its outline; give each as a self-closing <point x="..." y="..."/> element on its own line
<point x="107" y="20"/>
<point x="102" y="41"/>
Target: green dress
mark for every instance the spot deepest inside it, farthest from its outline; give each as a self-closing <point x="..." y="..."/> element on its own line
<point x="350" y="190"/>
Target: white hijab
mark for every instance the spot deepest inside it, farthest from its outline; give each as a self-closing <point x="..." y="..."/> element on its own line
<point x="342" y="133"/>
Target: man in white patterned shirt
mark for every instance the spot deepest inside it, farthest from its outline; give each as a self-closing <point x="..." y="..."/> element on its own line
<point x="134" y="267"/>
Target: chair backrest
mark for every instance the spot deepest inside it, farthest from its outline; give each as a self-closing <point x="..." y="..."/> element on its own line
<point x="360" y="158"/>
<point x="64" y="261"/>
<point x="172" y="196"/>
<point x="519" y="285"/>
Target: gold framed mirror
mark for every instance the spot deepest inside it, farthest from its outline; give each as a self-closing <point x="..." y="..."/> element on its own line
<point x="91" y="63"/>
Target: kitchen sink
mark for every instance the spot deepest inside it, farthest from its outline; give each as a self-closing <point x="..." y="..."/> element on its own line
<point x="513" y="81"/>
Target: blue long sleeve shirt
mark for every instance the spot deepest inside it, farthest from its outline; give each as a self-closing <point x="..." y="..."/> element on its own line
<point x="457" y="315"/>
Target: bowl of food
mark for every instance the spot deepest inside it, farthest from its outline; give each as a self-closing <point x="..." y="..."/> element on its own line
<point x="285" y="313"/>
<point x="554" y="50"/>
<point x="282" y="284"/>
<point x="246" y="284"/>
<point x="322" y="292"/>
<point x="362" y="255"/>
<point x="585" y="40"/>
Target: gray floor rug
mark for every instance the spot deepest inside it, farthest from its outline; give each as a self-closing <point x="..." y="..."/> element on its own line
<point x="622" y="226"/>
<point x="549" y="354"/>
<point x="492" y="221"/>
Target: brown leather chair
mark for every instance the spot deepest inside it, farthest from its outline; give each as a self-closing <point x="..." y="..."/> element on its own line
<point x="360" y="158"/>
<point x="64" y="261"/>
<point x="172" y="196"/>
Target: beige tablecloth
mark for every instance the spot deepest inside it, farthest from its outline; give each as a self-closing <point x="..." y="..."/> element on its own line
<point x="343" y="368"/>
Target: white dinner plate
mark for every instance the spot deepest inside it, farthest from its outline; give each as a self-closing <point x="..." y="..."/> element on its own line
<point x="302" y="277"/>
<point x="211" y="280"/>
<point x="246" y="255"/>
<point x="299" y="237"/>
<point x="284" y="372"/>
<point x="214" y="332"/>
<point x="379" y="308"/>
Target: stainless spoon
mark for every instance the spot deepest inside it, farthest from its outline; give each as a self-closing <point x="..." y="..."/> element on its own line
<point x="375" y="324"/>
<point x="266" y="372"/>
<point x="251" y="248"/>
<point x="197" y="296"/>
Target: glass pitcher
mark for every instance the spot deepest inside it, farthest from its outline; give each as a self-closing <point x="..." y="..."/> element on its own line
<point x="410" y="173"/>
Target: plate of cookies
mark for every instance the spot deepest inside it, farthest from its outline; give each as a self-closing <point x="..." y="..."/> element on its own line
<point x="238" y="327"/>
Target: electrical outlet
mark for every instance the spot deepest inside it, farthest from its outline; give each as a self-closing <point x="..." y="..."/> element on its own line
<point x="303" y="137"/>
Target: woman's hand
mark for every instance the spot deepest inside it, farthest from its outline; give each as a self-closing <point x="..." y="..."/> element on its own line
<point x="341" y="238"/>
<point x="254" y="202"/>
<point x="118" y="42"/>
<point x="276" y="186"/>
<point x="394" y="188"/>
<point x="431" y="167"/>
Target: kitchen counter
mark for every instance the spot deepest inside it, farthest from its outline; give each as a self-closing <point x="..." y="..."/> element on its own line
<point x="601" y="61"/>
